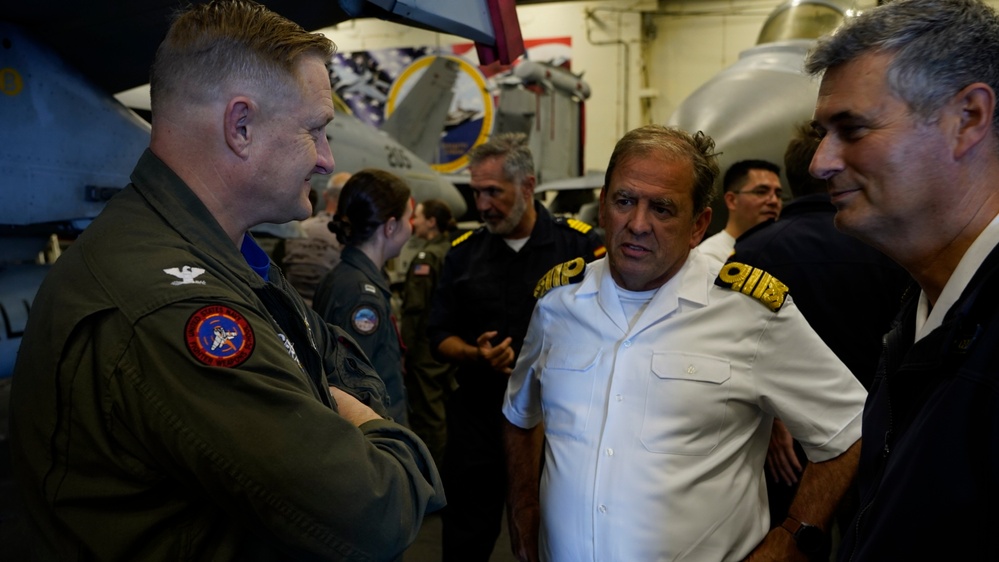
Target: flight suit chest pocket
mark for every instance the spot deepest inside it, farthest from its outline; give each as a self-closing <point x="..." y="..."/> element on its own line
<point x="685" y="406"/>
<point x="567" y="382"/>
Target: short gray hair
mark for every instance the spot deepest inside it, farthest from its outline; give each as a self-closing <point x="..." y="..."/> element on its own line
<point x="939" y="47"/>
<point x="518" y="163"/>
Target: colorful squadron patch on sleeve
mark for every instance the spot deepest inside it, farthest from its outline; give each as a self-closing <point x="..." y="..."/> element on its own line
<point x="364" y="319"/>
<point x="219" y="336"/>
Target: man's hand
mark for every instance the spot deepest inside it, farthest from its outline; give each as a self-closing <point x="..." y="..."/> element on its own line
<point x="822" y="486"/>
<point x="352" y="409"/>
<point x="782" y="462"/>
<point x="500" y="357"/>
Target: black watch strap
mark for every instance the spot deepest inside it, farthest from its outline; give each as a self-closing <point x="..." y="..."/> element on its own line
<point x="791" y="525"/>
<point x="810" y="539"/>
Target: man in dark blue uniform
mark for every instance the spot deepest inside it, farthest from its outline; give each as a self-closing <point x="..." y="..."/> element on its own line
<point x="480" y="314"/>
<point x="910" y="148"/>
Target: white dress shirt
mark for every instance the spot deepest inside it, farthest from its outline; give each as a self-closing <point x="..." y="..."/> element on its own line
<point x="657" y="433"/>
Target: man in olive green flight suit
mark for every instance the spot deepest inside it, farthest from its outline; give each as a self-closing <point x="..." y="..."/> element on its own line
<point x="173" y="398"/>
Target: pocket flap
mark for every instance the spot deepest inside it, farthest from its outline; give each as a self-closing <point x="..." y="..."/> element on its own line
<point x="572" y="358"/>
<point x="687" y="366"/>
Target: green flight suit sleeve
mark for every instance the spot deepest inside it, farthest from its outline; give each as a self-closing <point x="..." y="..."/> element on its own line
<point x="253" y="435"/>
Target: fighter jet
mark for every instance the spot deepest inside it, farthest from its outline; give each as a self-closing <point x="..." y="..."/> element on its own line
<point x="418" y="121"/>
<point x="69" y="145"/>
<point x="751" y="107"/>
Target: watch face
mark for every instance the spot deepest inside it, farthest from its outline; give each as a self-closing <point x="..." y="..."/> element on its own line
<point x="810" y="539"/>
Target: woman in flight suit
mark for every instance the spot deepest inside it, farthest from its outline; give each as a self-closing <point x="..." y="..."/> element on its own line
<point x="372" y="221"/>
<point x="428" y="381"/>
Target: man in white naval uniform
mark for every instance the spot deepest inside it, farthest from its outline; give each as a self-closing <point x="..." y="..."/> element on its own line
<point x="656" y="380"/>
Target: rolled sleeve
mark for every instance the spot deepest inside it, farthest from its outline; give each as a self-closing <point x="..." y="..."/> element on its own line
<point x="808" y="388"/>
<point x="522" y="403"/>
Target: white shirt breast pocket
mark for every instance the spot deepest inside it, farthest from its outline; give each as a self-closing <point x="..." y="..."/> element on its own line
<point x="685" y="404"/>
<point x="567" y="382"/>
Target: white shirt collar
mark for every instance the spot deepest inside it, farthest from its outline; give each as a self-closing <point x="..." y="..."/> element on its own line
<point x="927" y="320"/>
<point x="690" y="283"/>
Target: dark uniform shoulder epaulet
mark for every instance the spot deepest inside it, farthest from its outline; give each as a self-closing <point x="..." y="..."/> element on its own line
<point x="463" y="237"/>
<point x="754" y="282"/>
<point x="562" y="274"/>
<point x="574" y="224"/>
<point x="585" y="229"/>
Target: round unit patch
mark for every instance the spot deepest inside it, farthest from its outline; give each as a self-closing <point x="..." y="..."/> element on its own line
<point x="219" y="336"/>
<point x="364" y="319"/>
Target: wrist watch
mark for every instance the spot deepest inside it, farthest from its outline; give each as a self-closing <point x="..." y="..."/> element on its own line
<point x="810" y="539"/>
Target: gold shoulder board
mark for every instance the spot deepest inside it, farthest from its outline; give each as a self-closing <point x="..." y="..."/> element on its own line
<point x="561" y="274"/>
<point x="462" y="238"/>
<point x="579" y="225"/>
<point x="754" y="282"/>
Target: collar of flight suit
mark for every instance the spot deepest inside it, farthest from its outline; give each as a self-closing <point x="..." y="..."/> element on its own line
<point x="169" y="196"/>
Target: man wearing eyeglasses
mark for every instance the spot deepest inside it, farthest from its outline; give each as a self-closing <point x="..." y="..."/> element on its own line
<point x="752" y="195"/>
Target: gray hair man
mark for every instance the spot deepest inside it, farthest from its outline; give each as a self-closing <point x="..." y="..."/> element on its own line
<point x="478" y="318"/>
<point x="907" y="110"/>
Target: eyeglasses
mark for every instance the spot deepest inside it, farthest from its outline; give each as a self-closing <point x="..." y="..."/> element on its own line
<point x="762" y="192"/>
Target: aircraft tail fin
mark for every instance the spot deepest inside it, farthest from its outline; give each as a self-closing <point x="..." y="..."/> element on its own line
<point x="418" y="121"/>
